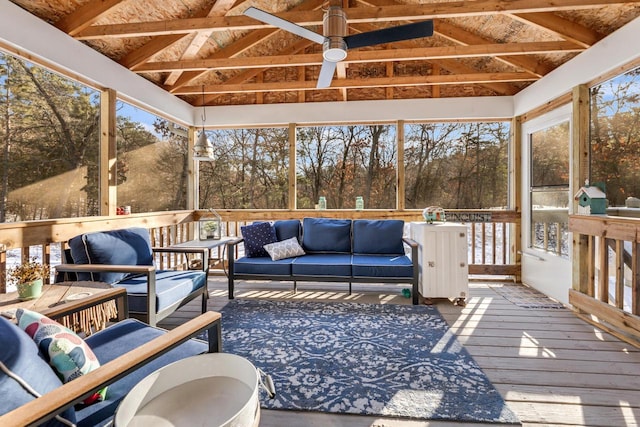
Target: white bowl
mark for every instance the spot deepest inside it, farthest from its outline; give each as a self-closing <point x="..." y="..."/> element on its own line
<point x="213" y="389"/>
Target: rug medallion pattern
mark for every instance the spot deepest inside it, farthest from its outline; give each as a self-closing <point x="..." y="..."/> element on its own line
<point x="386" y="360"/>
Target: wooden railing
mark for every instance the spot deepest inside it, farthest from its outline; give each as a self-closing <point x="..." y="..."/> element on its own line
<point x="491" y="232"/>
<point x="606" y="272"/>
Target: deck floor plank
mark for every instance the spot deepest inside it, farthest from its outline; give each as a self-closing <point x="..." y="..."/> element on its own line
<point x="552" y="368"/>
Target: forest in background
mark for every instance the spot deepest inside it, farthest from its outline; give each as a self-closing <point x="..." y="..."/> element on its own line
<point x="49" y="131"/>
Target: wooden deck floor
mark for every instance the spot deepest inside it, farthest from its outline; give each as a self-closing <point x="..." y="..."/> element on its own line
<point x="552" y="368"/>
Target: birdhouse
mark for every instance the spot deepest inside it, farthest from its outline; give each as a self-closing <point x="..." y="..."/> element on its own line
<point x="433" y="213"/>
<point x="592" y="199"/>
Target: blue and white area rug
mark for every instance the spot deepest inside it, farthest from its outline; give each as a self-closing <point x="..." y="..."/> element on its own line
<point x="384" y="360"/>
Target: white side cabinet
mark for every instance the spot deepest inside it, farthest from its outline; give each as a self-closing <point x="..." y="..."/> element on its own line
<point x="442" y="258"/>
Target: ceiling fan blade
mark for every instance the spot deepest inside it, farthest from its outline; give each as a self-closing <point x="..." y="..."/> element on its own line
<point x="415" y="30"/>
<point x="326" y="74"/>
<point x="268" y="18"/>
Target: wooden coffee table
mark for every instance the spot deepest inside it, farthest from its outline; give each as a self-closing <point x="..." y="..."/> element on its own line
<point x="67" y="301"/>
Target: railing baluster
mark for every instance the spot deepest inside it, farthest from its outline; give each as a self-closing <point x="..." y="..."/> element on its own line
<point x="591" y="267"/>
<point x="473" y="243"/>
<point x="635" y="278"/>
<point x="603" y="277"/>
<point x="619" y="274"/>
<point x="493" y="242"/>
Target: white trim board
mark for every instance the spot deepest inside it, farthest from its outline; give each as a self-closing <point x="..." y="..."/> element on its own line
<point x="39" y="40"/>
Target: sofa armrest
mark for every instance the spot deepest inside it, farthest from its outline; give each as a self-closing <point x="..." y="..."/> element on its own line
<point x="412" y="243"/>
<point x="71" y="307"/>
<point x="199" y="251"/>
<point x="47" y="406"/>
<point x="147" y="270"/>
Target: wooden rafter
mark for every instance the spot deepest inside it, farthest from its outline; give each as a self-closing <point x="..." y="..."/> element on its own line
<point x="249" y="74"/>
<point x="360" y="83"/>
<point x="238" y="47"/>
<point x="86" y="15"/>
<point x="561" y="27"/>
<point x="407" y="54"/>
<point x="355" y="15"/>
<point x="219" y="8"/>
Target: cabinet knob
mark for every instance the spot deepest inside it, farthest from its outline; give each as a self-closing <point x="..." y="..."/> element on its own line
<point x="462" y="264"/>
<point x="432" y="264"/>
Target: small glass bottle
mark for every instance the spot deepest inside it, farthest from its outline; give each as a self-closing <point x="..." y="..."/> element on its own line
<point x="359" y="203"/>
<point x="322" y="203"/>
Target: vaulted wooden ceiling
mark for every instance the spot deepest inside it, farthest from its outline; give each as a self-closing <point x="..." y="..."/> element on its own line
<point x="208" y="52"/>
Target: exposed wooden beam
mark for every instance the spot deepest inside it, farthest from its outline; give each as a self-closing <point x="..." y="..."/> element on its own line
<point x="249" y="74"/>
<point x="363" y="56"/>
<point x="451" y="65"/>
<point x="238" y="47"/>
<point x="155" y="46"/>
<point x="355" y="15"/>
<point x="561" y="27"/>
<point x="219" y="8"/>
<point x="360" y="83"/>
<point x="85" y="16"/>
<point x="463" y="37"/>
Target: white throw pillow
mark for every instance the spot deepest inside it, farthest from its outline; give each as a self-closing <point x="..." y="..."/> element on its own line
<point x="285" y="249"/>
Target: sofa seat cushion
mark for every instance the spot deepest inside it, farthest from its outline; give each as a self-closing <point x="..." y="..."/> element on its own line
<point x="326" y="235"/>
<point x="19" y="353"/>
<point x="336" y="265"/>
<point x="263" y="266"/>
<point x="130" y="246"/>
<point x="116" y="340"/>
<point x="382" y="266"/>
<point x="171" y="286"/>
<point x="379" y="237"/>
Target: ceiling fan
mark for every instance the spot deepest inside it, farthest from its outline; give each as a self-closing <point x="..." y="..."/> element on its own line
<point x="335" y="40"/>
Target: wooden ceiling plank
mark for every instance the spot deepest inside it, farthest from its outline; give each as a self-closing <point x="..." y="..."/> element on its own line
<point x="85" y="16"/>
<point x="364" y="56"/>
<point x="360" y="83"/>
<point x="155" y="46"/>
<point x="451" y="65"/>
<point x="460" y="36"/>
<point x="355" y="15"/>
<point x="249" y="74"/>
<point x="561" y="27"/>
<point x="219" y="8"/>
<point x="238" y="47"/>
<point x="149" y="50"/>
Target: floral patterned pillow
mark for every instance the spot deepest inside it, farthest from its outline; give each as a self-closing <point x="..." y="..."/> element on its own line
<point x="65" y="351"/>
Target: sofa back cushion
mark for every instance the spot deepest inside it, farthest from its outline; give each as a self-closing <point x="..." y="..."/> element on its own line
<point x="19" y="355"/>
<point x="326" y="235"/>
<point x="288" y="228"/>
<point x="378" y="237"/>
<point x="130" y="246"/>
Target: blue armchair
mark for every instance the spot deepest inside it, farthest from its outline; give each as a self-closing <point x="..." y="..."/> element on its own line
<point x="124" y="258"/>
<point x="128" y="351"/>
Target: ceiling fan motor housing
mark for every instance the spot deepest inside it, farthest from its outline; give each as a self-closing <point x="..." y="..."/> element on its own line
<point x="334" y="48"/>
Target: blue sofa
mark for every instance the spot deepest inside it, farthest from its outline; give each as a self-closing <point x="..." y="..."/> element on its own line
<point x="135" y="348"/>
<point x="335" y="250"/>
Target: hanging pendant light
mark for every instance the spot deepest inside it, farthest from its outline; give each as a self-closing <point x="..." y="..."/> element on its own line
<point x="203" y="148"/>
